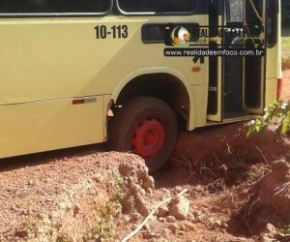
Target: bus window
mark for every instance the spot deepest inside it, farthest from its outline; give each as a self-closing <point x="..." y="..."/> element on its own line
<point x="38" y="7"/>
<point x="159" y="6"/>
<point x="236" y="11"/>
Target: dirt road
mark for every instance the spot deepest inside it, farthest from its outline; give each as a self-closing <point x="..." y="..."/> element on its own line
<point x="78" y="194"/>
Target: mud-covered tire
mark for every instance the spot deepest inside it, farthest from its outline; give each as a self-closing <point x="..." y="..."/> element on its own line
<point x="146" y="126"/>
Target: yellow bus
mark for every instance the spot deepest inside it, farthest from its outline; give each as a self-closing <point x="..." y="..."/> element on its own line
<point x="78" y="72"/>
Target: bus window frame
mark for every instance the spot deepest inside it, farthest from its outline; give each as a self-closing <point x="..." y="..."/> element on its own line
<point x="125" y="13"/>
<point x="59" y="14"/>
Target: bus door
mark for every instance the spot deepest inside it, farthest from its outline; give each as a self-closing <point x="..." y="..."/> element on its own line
<point x="236" y="83"/>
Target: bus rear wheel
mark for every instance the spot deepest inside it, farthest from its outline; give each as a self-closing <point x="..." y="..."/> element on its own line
<point x="147" y="127"/>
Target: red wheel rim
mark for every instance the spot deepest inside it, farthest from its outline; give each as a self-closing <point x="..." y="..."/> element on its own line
<point x="148" y="138"/>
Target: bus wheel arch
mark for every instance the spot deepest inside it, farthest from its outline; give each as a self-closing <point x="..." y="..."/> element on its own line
<point x="164" y="86"/>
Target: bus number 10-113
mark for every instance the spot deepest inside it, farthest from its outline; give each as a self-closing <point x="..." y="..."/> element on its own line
<point x="115" y="32"/>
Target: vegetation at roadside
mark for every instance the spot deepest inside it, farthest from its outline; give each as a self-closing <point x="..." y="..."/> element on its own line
<point x="105" y="217"/>
<point x="105" y="228"/>
<point x="277" y="114"/>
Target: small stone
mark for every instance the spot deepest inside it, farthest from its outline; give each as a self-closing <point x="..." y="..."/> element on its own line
<point x="135" y="217"/>
<point x="217" y="223"/>
<point x="171" y="219"/>
<point x="182" y="227"/>
<point x="270" y="229"/>
<point x="178" y="188"/>
<point x="199" y="188"/>
<point x="173" y="228"/>
<point x="134" y="226"/>
<point x="149" y="235"/>
<point x="214" y="223"/>
<point x="162" y="220"/>
<point x="127" y="218"/>
<point x="179" y="207"/>
<point x="162" y="211"/>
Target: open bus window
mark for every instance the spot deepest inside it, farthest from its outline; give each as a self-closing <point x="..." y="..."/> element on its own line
<point x="157" y="6"/>
<point x="53" y="6"/>
<point x="236" y="11"/>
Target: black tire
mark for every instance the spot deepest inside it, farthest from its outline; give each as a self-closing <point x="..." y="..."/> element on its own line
<point x="132" y="127"/>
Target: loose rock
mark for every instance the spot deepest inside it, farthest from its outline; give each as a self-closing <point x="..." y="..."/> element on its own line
<point x="162" y="211"/>
<point x="270" y="228"/>
<point x="179" y="207"/>
<point x="171" y="219"/>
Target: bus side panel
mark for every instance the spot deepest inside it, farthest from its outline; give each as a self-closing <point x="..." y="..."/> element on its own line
<point x="273" y="63"/>
<point x="272" y="66"/>
<point x="198" y="107"/>
<point x="35" y="127"/>
<point x="46" y="62"/>
<point x="51" y="60"/>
